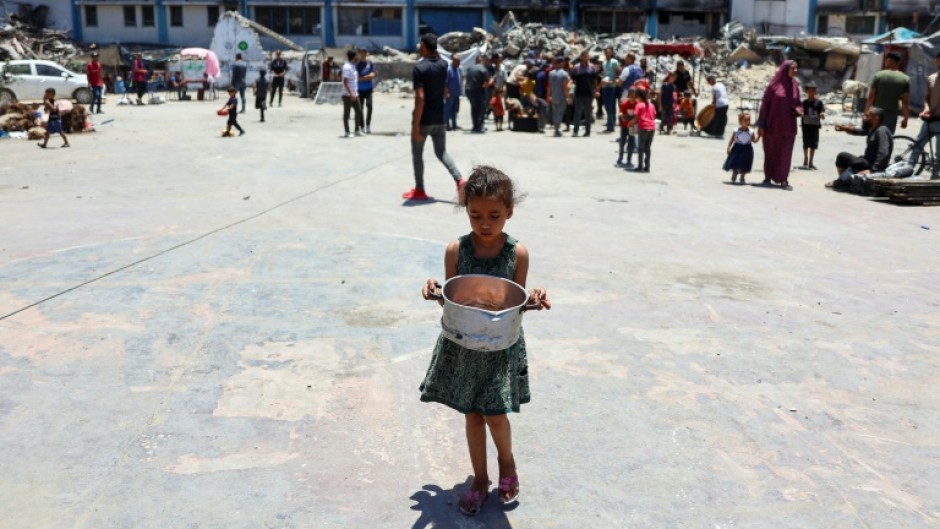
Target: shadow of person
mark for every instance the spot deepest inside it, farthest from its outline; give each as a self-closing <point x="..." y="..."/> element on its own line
<point x="439" y="509"/>
<point x="409" y="203"/>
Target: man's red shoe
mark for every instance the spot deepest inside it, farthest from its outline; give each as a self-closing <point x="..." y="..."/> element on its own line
<point x="414" y="194"/>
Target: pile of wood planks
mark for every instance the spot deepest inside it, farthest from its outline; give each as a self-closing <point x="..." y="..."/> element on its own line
<point x="907" y="191"/>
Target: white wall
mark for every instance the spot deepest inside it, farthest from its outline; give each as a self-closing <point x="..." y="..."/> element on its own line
<point x="781" y="17"/>
<point x="195" y="32"/>
<point x="111" y="27"/>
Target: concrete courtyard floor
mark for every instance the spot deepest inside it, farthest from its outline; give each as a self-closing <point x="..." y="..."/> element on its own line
<point x="198" y="332"/>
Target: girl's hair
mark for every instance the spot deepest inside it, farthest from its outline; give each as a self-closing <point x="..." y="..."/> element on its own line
<point x="631" y="90"/>
<point x="50" y="91"/>
<point x="642" y="94"/>
<point x="490" y="182"/>
<point x="743" y="115"/>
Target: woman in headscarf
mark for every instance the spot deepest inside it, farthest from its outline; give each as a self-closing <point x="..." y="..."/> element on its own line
<point x="777" y="123"/>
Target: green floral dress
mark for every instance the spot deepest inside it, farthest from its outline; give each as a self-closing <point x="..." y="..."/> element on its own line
<point x="491" y="383"/>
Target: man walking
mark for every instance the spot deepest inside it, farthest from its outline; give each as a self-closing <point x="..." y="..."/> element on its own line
<point x="430" y="85"/>
<point x="350" y="94"/>
<point x="559" y="82"/>
<point x="278" y="68"/>
<point x="366" y="72"/>
<point x="478" y="82"/>
<point x="609" y="86"/>
<point x="890" y="87"/>
<point x="139" y="72"/>
<point x="239" y="77"/>
<point x="93" y="71"/>
<point x="931" y="117"/>
<point x="454" y="91"/>
<point x="586" y="89"/>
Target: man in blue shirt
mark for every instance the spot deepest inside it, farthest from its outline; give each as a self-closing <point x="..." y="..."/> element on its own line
<point x="366" y="71"/>
<point x="631" y="73"/>
<point x="454" y="91"/>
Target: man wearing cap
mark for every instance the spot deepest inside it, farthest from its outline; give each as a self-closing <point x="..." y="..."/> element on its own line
<point x="366" y="71"/>
<point x="278" y="68"/>
<point x="430" y="85"/>
<point x="889" y="88"/>
<point x="93" y="70"/>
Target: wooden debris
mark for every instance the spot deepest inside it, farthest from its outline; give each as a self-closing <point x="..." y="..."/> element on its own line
<point x="907" y="191"/>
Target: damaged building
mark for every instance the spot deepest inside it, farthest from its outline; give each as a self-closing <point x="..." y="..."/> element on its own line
<point x="374" y="23"/>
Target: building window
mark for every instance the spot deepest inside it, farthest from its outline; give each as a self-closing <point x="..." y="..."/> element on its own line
<point x="146" y="16"/>
<point x="366" y="21"/>
<point x="130" y="16"/>
<point x="613" y="21"/>
<point x="91" y="16"/>
<point x="860" y="25"/>
<point x="213" y="12"/>
<point x="176" y="16"/>
<point x="289" y="20"/>
<point x="822" y="25"/>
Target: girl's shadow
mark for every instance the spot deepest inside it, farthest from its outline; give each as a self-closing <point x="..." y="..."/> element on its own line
<point x="439" y="509"/>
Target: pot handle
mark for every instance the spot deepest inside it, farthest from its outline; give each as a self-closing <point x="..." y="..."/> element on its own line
<point x="437" y="294"/>
<point x="534" y="306"/>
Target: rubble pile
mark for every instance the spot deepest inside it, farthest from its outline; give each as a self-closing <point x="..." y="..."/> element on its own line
<point x="22" y="40"/>
<point x="20" y="117"/>
<point x="16" y="117"/>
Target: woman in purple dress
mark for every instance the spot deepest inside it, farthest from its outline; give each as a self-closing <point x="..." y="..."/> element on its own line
<point x="777" y="124"/>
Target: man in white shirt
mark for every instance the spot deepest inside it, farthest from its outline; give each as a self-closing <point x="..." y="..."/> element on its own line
<point x="351" y="93"/>
<point x="716" y="127"/>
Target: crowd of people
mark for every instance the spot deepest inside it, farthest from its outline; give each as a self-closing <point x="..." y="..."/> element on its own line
<point x="542" y="93"/>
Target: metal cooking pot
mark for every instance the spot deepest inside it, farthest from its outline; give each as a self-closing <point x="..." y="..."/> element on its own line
<point x="482" y="312"/>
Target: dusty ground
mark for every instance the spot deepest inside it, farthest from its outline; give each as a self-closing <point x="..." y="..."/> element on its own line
<point x="222" y="333"/>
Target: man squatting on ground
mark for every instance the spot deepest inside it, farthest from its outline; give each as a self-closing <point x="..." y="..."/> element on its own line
<point x="877" y="150"/>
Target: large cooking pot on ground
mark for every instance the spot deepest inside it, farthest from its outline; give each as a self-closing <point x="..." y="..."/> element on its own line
<point x="482" y="312"/>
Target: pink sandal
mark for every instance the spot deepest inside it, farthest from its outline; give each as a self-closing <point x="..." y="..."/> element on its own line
<point x="505" y="486"/>
<point x="474" y="500"/>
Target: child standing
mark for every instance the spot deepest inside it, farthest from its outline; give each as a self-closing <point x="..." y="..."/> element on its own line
<point x="687" y="110"/>
<point x="627" y="133"/>
<point x="54" y="125"/>
<point x="232" y="107"/>
<point x="814" y="111"/>
<point x="645" y="120"/>
<point x="740" y="151"/>
<point x="667" y="105"/>
<point x="484" y="386"/>
<point x="496" y="104"/>
<point x="261" y="92"/>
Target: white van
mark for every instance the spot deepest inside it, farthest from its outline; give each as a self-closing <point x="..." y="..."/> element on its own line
<point x="28" y="80"/>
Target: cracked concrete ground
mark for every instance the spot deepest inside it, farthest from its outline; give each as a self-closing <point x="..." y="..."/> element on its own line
<point x="232" y="334"/>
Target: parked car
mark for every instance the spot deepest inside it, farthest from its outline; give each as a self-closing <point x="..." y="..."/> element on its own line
<point x="28" y="79"/>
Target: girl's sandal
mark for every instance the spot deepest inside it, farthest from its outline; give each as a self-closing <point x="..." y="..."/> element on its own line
<point x="506" y="486"/>
<point x="474" y="500"/>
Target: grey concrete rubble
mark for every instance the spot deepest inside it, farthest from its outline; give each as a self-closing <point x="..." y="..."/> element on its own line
<point x="24" y="40"/>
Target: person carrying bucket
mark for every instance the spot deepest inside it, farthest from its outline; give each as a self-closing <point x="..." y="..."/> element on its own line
<point x="484" y="386"/>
